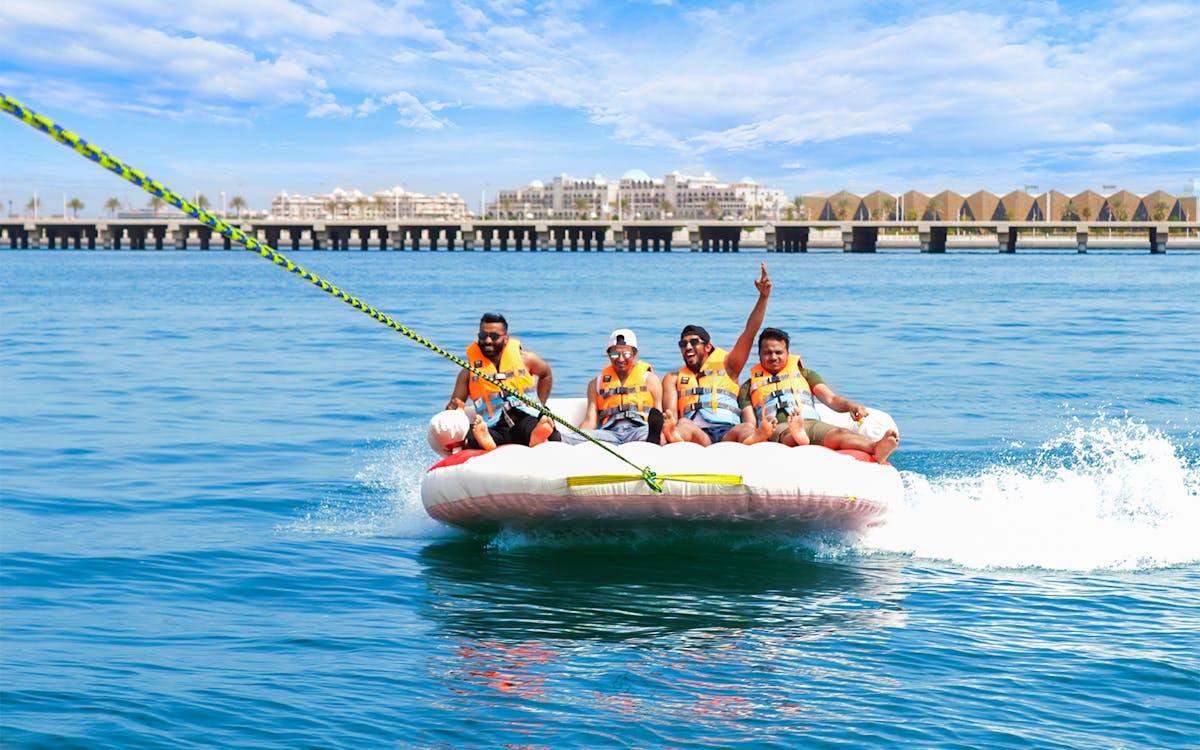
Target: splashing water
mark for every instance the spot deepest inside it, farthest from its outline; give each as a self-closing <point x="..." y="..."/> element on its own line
<point x="385" y="499"/>
<point x="1109" y="494"/>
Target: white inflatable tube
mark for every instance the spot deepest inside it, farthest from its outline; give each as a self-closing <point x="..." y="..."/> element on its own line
<point x="555" y="484"/>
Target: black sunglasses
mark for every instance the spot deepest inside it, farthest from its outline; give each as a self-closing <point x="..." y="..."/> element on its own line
<point x="490" y="336"/>
<point x="694" y="342"/>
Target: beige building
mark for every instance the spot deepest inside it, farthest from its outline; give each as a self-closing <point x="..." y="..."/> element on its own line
<point x="637" y="195"/>
<point x="396" y="203"/>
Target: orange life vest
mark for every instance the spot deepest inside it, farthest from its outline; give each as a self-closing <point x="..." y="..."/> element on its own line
<point x="629" y="400"/>
<point x="787" y="390"/>
<point x="489" y="400"/>
<point x="711" y="393"/>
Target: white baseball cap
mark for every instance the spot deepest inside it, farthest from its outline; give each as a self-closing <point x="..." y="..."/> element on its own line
<point x="622" y="336"/>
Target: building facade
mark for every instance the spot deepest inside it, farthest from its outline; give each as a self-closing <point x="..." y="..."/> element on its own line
<point x="396" y="203"/>
<point x="636" y="196"/>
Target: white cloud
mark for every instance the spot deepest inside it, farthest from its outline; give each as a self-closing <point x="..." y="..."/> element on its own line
<point x="413" y="113"/>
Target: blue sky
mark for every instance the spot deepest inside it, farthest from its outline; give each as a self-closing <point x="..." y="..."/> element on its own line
<point x="251" y="97"/>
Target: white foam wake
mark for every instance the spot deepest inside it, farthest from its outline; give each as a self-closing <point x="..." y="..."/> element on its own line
<point x="1110" y="494"/>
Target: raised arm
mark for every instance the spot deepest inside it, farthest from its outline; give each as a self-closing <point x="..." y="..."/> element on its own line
<point x="736" y="359"/>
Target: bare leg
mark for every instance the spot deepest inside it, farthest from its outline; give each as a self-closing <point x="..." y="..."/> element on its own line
<point x="545" y="426"/>
<point x="669" y="433"/>
<point x="796" y="430"/>
<point x="683" y="430"/>
<point x="763" y="433"/>
<point x="885" y="446"/>
<point x="841" y="438"/>
<point x="482" y="435"/>
<point x="739" y="434"/>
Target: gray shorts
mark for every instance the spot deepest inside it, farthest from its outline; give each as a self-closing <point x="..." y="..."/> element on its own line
<point x="617" y="433"/>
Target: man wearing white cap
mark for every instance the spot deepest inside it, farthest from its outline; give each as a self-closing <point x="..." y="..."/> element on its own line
<point x="624" y="402"/>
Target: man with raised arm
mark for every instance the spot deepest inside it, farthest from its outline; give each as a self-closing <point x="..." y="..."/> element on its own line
<point x="499" y="417"/>
<point x="700" y="400"/>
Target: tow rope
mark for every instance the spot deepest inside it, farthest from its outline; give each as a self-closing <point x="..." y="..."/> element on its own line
<point x="118" y="167"/>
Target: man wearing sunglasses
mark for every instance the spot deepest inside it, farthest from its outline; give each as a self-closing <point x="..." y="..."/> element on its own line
<point x="624" y="402"/>
<point x="700" y="400"/>
<point x="501" y="418"/>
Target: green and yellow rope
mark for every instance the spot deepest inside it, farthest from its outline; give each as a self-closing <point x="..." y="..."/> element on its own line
<point x="123" y="170"/>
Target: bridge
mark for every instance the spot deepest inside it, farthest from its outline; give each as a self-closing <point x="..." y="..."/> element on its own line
<point x="599" y="236"/>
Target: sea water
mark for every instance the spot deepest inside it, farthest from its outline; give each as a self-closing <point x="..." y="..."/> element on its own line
<point x="211" y="533"/>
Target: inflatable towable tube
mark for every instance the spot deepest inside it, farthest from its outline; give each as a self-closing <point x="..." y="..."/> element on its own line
<point x="730" y="484"/>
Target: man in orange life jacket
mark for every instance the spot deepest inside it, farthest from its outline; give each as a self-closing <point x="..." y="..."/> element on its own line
<point x="624" y="402"/>
<point x="501" y="418"/>
<point x="700" y="400"/>
<point x="779" y="397"/>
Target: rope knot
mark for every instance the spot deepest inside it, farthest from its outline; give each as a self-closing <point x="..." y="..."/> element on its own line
<point x="652" y="479"/>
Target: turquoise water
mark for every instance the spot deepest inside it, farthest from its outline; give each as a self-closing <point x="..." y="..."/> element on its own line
<point x="211" y="536"/>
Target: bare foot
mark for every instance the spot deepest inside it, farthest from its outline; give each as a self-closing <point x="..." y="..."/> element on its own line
<point x="885" y="446"/>
<point x="668" y="428"/>
<point x="545" y="427"/>
<point x="796" y="429"/>
<point x="482" y="435"/>
<point x="764" y="432"/>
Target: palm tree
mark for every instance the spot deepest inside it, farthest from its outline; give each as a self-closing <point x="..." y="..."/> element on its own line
<point x="1160" y="210"/>
<point x="624" y="206"/>
<point x="237" y="204"/>
<point x="1086" y="213"/>
<point x="666" y="207"/>
<point x="380" y="204"/>
<point x="76" y="206"/>
<point x="843" y="208"/>
<point x="331" y="207"/>
<point x="202" y="202"/>
<point x="580" y="204"/>
<point x="360" y="203"/>
<point x="156" y="203"/>
<point x="712" y="207"/>
<point x="33" y="205"/>
<point x="506" y="206"/>
<point x="112" y="205"/>
<point x="798" y="203"/>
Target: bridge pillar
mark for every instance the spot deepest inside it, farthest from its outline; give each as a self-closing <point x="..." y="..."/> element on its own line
<point x="1081" y="238"/>
<point x="860" y="239"/>
<point x="933" y="239"/>
<point x="1006" y="238"/>
<point x="320" y="238"/>
<point x="271" y="235"/>
<point x="694" y="238"/>
<point x="1158" y="239"/>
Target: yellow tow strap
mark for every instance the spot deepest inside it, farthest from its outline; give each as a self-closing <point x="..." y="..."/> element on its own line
<point x="594" y="479"/>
